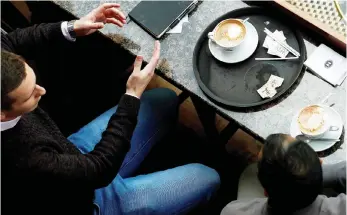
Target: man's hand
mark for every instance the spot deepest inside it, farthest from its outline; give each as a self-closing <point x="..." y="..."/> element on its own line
<point x="105" y="13"/>
<point x="139" y="79"/>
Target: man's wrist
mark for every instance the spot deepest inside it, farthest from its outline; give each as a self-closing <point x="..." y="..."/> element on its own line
<point x="71" y="28"/>
<point x="132" y="93"/>
<point x="65" y="31"/>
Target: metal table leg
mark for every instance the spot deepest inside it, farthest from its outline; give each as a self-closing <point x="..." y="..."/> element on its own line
<point x="207" y="116"/>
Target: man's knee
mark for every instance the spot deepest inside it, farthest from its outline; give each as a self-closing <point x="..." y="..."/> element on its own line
<point x="162" y="95"/>
<point x="161" y="100"/>
<point x="207" y="176"/>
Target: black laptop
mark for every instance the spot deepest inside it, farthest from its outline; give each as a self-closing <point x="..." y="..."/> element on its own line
<point x="158" y="17"/>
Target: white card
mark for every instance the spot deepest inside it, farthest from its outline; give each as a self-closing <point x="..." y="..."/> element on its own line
<point x="327" y="64"/>
<point x="342" y="67"/>
<point x="184" y="19"/>
<point x="273" y="47"/>
<point x="275" y="81"/>
<point x="263" y="92"/>
<point x="266" y="91"/>
<point x="178" y="28"/>
<point x="272" y="51"/>
<point x="278" y="49"/>
<point x="272" y="91"/>
<point x="280" y="35"/>
<point x="268" y="40"/>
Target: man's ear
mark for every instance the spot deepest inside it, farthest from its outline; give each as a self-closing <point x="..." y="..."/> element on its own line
<point x="260" y="153"/>
<point x="321" y="161"/>
<point x="3" y="116"/>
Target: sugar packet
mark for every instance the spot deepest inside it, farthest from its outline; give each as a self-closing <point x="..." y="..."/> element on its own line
<point x="274" y="48"/>
<point x="268" y="90"/>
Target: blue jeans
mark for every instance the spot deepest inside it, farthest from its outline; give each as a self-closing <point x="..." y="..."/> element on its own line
<point x="173" y="191"/>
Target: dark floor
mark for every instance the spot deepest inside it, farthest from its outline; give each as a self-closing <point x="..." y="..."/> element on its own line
<point x="183" y="146"/>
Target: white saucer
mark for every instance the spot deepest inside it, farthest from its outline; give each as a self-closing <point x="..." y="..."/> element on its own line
<point x="321" y="145"/>
<point x="240" y="53"/>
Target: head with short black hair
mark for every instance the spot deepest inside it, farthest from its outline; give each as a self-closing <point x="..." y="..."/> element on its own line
<point x="19" y="92"/>
<point x="12" y="75"/>
<point x="290" y="172"/>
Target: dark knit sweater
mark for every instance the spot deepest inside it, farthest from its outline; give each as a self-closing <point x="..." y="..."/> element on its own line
<point x="44" y="173"/>
<point x="75" y="75"/>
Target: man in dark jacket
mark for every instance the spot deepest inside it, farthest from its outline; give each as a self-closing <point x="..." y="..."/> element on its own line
<point x="91" y="171"/>
<point x="292" y="176"/>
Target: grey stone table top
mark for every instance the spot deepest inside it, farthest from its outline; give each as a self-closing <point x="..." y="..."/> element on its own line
<point x="177" y="49"/>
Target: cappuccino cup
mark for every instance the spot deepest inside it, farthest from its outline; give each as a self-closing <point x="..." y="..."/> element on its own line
<point x="313" y="121"/>
<point x="228" y="34"/>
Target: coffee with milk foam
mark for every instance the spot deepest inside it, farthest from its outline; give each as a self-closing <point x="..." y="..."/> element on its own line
<point x="230" y="33"/>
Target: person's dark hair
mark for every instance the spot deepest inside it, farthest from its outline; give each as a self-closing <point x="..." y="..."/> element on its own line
<point x="12" y="75"/>
<point x="291" y="174"/>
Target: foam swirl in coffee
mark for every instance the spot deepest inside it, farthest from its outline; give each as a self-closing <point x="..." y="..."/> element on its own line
<point x="230" y="33"/>
<point x="311" y="119"/>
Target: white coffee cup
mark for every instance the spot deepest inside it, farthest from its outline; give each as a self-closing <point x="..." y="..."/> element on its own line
<point x="314" y="122"/>
<point x="228" y="34"/>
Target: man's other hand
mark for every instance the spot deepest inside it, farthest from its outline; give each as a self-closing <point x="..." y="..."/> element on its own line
<point x="139" y="79"/>
<point x="97" y="18"/>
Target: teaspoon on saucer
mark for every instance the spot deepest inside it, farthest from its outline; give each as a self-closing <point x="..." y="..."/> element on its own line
<point x="307" y="139"/>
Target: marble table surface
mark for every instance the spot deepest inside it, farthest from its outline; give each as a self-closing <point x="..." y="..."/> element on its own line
<point x="177" y="49"/>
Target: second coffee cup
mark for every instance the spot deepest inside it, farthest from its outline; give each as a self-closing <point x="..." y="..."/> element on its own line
<point x="314" y="122"/>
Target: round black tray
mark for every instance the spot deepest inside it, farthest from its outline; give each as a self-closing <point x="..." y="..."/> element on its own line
<point x="235" y="85"/>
